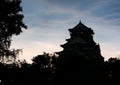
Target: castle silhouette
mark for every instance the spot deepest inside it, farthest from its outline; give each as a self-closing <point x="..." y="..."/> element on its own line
<point x="80" y="61"/>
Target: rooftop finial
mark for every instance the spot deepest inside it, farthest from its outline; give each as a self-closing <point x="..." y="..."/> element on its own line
<point x="80" y="20"/>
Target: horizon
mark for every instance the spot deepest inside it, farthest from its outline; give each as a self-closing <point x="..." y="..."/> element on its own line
<point x="48" y="23"/>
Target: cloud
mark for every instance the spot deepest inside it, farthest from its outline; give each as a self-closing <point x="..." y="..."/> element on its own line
<point x="56" y="14"/>
<point x="49" y="20"/>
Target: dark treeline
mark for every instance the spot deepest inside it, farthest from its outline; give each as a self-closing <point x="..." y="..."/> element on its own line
<point x="40" y="72"/>
<point x="80" y="62"/>
<point x="43" y="72"/>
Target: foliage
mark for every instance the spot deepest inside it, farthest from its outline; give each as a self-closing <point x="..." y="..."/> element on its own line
<point x="45" y="61"/>
<point x="10" y="24"/>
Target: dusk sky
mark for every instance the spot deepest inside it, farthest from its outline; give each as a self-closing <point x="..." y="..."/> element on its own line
<point x="48" y="22"/>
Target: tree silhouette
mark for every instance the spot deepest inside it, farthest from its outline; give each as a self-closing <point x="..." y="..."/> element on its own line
<point x="44" y="67"/>
<point x="113" y="65"/>
<point x="10" y="24"/>
<point x="42" y="61"/>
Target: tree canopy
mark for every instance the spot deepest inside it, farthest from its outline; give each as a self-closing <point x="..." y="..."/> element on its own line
<point x="11" y="23"/>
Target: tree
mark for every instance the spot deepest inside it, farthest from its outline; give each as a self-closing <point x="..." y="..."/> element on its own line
<point x="113" y="65"/>
<point x="44" y="68"/>
<point x="10" y="24"/>
<point x="42" y="61"/>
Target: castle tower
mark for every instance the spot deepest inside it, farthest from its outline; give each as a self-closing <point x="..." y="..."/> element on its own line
<point x="80" y="61"/>
<point x="81" y="43"/>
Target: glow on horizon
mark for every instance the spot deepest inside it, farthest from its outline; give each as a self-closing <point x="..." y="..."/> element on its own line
<point x="48" y="23"/>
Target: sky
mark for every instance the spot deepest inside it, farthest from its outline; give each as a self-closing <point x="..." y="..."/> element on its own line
<point x="48" y="22"/>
